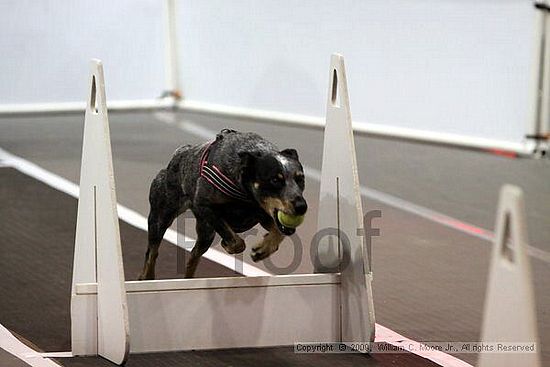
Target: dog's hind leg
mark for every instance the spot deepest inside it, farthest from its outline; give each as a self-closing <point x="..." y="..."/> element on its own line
<point x="166" y="204"/>
<point x="158" y="223"/>
<point x="205" y="236"/>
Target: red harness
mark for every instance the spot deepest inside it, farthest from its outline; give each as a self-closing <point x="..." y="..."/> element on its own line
<point x="214" y="175"/>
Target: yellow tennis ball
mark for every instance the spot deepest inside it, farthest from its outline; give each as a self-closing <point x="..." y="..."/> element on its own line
<point x="288" y="220"/>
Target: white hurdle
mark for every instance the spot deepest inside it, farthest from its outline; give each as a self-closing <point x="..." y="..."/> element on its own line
<point x="184" y="314"/>
<point x="510" y="302"/>
<point x="99" y="325"/>
<point x="340" y="208"/>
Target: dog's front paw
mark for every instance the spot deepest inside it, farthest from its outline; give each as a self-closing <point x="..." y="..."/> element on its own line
<point x="235" y="246"/>
<point x="269" y="245"/>
<point x="260" y="252"/>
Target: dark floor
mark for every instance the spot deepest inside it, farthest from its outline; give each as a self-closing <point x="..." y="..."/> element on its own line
<point x="253" y="357"/>
<point x="35" y="267"/>
<point x="276" y="357"/>
<point x="429" y="280"/>
<point x="7" y="359"/>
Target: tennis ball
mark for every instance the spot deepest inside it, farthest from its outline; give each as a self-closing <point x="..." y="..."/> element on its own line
<point x="288" y="220"/>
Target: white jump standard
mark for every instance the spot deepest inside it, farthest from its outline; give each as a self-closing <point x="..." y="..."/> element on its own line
<point x="111" y="317"/>
<point x="509" y="314"/>
<point x="100" y="324"/>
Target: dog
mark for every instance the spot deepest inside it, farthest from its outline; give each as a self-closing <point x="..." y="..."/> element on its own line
<point x="230" y="184"/>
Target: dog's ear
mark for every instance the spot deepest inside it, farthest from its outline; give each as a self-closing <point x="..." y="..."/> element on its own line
<point x="248" y="158"/>
<point x="290" y="153"/>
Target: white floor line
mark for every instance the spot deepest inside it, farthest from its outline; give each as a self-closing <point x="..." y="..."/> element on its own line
<point x="14" y="346"/>
<point x="57" y="354"/>
<point x="383" y="334"/>
<point x="128" y="215"/>
<point x="379" y="196"/>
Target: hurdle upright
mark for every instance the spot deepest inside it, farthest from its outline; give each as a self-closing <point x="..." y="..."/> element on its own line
<point x="509" y="314"/>
<point x="100" y="324"/>
<point x="184" y="314"/>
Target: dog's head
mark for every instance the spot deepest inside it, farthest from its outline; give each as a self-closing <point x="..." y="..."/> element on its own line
<point x="276" y="181"/>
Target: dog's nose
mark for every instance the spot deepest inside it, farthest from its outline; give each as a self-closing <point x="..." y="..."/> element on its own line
<point x="300" y="206"/>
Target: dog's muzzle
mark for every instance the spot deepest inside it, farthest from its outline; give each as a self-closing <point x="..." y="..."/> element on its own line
<point x="287" y="231"/>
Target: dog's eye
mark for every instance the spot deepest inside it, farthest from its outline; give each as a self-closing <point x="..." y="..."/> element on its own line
<point x="299" y="178"/>
<point x="276" y="181"/>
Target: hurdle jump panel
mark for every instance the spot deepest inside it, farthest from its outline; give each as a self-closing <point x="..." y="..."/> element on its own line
<point x="209" y="313"/>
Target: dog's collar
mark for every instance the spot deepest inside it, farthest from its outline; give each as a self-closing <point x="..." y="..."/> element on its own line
<point x="214" y="175"/>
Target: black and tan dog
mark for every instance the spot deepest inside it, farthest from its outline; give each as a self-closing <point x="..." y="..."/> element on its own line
<point x="230" y="185"/>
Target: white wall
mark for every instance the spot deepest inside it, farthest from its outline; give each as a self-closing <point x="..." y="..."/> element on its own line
<point x="45" y="47"/>
<point x="455" y="66"/>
